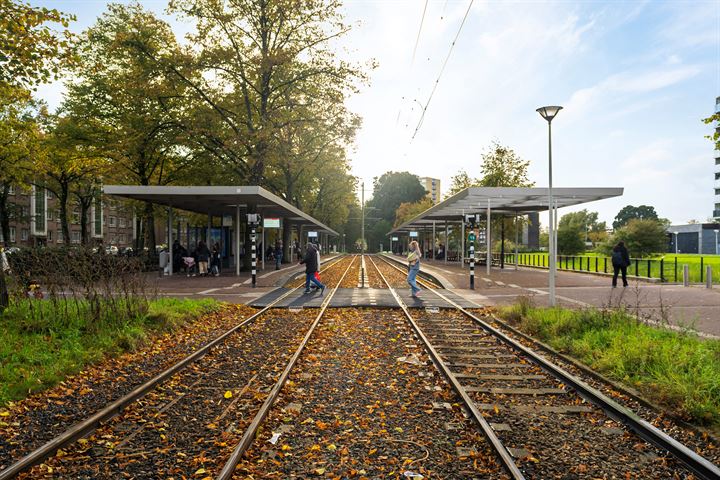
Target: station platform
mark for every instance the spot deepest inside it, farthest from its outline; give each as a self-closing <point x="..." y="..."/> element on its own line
<point x="362" y="297"/>
<point x="695" y="307"/>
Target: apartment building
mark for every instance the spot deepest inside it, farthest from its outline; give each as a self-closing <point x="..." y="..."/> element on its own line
<point x="432" y="185"/>
<point x="36" y="220"/>
<point x="716" y="210"/>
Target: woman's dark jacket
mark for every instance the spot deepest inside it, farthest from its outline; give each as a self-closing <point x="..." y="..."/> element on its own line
<point x="310" y="261"/>
<point x="624" y="260"/>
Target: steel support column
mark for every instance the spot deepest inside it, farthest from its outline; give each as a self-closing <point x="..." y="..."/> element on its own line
<point x="237" y="240"/>
<point x="488" y="241"/>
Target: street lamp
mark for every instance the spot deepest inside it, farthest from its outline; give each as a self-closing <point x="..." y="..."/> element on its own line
<point x="548" y="113"/>
<point x="716" y="241"/>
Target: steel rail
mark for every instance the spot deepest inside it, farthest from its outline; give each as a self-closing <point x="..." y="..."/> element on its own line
<point x="500" y="449"/>
<point x="645" y="430"/>
<point x="249" y="435"/>
<point x="91" y="423"/>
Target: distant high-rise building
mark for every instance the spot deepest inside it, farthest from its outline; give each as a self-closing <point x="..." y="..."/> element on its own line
<point x="716" y="210"/>
<point x="432" y="185"/>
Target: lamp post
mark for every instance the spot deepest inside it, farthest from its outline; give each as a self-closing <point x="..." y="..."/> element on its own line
<point x="548" y="113"/>
<point x="716" y="241"/>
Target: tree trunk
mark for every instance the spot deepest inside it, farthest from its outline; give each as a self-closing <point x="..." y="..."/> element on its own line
<point x="85" y="204"/>
<point x="287" y="251"/>
<point x="5" y="212"/>
<point x="150" y="228"/>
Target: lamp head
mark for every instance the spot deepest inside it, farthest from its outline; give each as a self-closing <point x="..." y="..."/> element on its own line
<point x="548" y="113"/>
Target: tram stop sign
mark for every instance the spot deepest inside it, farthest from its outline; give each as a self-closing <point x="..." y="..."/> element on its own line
<point x="471" y="237"/>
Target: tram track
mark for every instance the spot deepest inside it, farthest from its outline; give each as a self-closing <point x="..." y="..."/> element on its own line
<point x="162" y="391"/>
<point x="542" y="421"/>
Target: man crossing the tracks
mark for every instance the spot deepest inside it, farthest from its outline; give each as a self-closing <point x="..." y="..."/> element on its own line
<point x="311" y="268"/>
<point x="413" y="259"/>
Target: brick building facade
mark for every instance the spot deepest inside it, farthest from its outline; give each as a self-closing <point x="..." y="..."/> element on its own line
<point x="36" y="220"/>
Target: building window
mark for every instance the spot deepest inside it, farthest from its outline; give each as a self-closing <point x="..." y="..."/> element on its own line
<point x="112" y="221"/>
<point x="25" y="213"/>
<point x="717" y="160"/>
<point x="104" y="220"/>
<point x="75" y="236"/>
<point x="59" y="236"/>
<point x="11" y="191"/>
<point x="76" y="216"/>
<point x="12" y="235"/>
<point x="717" y="175"/>
<point x="97" y="217"/>
<point x="49" y="215"/>
<point x="717" y="191"/>
<point x="123" y="238"/>
<point x="24" y="234"/>
<point x="121" y="220"/>
<point x="50" y="235"/>
<point x="50" y="194"/>
<point x="38" y="206"/>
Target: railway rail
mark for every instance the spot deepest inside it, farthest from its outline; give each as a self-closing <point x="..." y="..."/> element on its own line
<point x="115" y="408"/>
<point x="541" y="420"/>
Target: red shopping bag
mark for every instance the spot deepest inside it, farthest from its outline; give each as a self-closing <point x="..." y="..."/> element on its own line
<point x="317" y="276"/>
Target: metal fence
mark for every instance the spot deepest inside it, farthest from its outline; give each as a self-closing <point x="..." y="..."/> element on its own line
<point x="665" y="270"/>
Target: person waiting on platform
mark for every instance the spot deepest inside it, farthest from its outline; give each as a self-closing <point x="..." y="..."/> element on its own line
<point x="278" y="254"/>
<point x="413" y="259"/>
<point x="203" y="254"/>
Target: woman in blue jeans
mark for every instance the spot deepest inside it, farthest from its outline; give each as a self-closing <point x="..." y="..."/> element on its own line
<point x="311" y="268"/>
<point x="413" y="258"/>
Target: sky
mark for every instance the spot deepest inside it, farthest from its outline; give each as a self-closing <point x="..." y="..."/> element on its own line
<point x="634" y="78"/>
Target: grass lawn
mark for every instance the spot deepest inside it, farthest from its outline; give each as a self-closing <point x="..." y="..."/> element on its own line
<point x="675" y="369"/>
<point x="640" y="268"/>
<point x="36" y="355"/>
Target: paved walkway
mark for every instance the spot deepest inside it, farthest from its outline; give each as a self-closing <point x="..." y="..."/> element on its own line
<point x="694" y="306"/>
<point x="227" y="287"/>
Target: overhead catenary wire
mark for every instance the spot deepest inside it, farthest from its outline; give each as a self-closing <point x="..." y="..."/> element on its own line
<point x="417" y="39"/>
<point x="442" y="70"/>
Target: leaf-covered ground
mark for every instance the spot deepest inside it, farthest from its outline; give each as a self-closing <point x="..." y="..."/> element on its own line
<point x="363" y="402"/>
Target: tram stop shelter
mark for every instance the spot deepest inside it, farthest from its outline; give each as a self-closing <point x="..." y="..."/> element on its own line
<point x="504" y="201"/>
<point x="227" y="202"/>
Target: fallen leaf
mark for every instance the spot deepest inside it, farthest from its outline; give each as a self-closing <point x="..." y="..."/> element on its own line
<point x="228" y="394"/>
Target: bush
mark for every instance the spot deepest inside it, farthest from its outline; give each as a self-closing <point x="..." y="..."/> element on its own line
<point x="641" y="237"/>
<point x="107" y="289"/>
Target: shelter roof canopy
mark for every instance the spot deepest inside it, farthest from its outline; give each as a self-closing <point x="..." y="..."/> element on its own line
<point x="218" y="200"/>
<point x="505" y="200"/>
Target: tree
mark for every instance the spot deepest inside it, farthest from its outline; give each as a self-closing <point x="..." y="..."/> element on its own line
<point x="68" y="167"/>
<point x="19" y="137"/>
<point x="408" y="210"/>
<point x="502" y="167"/>
<point x="570" y="239"/>
<point x="715" y="137"/>
<point x="460" y="181"/>
<point x="30" y="51"/>
<point x="124" y="102"/>
<point x="271" y="65"/>
<point x="642" y="237"/>
<point x="627" y="213"/>
<point x="393" y="188"/>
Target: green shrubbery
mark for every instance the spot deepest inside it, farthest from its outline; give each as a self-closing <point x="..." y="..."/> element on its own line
<point x="677" y="369"/>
